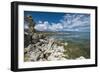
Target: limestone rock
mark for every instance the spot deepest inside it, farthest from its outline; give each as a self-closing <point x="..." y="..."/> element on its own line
<point x="44" y="50"/>
<point x="80" y="58"/>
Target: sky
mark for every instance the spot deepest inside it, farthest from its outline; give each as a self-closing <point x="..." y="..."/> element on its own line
<point x="54" y="21"/>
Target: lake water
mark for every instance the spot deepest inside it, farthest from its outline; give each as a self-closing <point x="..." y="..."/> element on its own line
<point x="72" y="36"/>
<point x="78" y="42"/>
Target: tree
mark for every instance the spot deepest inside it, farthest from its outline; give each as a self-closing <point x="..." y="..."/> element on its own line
<point x="31" y="23"/>
<point x="28" y="20"/>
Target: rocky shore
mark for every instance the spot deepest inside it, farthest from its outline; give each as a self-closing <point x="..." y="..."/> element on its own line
<point x="43" y="49"/>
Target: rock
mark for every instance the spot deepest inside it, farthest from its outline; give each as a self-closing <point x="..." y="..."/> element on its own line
<point x="40" y="36"/>
<point x="27" y="39"/>
<point x="39" y="43"/>
<point x="80" y="58"/>
<point x="27" y="49"/>
<point x="63" y="59"/>
<point x="35" y="55"/>
<point x="60" y="49"/>
<point x="65" y="44"/>
<point x="35" y="36"/>
<point x="35" y="41"/>
<point x="42" y="40"/>
<point x="43" y="49"/>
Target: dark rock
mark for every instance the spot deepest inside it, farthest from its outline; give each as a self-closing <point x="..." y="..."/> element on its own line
<point x="27" y="39"/>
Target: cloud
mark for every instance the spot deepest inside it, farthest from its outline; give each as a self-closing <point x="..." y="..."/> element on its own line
<point x="40" y="22"/>
<point x="42" y="26"/>
<point x="46" y="26"/>
<point x="56" y="27"/>
<point x="76" y="22"/>
<point x="70" y="22"/>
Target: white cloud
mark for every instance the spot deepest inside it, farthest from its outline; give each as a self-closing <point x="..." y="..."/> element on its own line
<point x="42" y="26"/>
<point x="70" y="22"/>
<point x="75" y="21"/>
<point x="40" y="22"/>
<point x="56" y="27"/>
<point x="49" y="27"/>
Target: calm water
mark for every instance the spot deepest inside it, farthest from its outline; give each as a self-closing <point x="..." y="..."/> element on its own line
<point x="79" y="42"/>
<point x="72" y="36"/>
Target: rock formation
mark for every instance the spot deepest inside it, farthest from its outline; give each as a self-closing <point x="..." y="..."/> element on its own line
<point x="43" y="49"/>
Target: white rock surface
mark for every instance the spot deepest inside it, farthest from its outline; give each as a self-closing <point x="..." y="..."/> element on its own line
<point x="80" y="58"/>
<point x="46" y="52"/>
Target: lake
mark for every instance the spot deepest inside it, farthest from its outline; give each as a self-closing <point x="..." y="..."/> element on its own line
<point x="78" y="43"/>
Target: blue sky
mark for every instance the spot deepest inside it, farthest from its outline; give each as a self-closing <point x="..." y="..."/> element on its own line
<point x="54" y="21"/>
